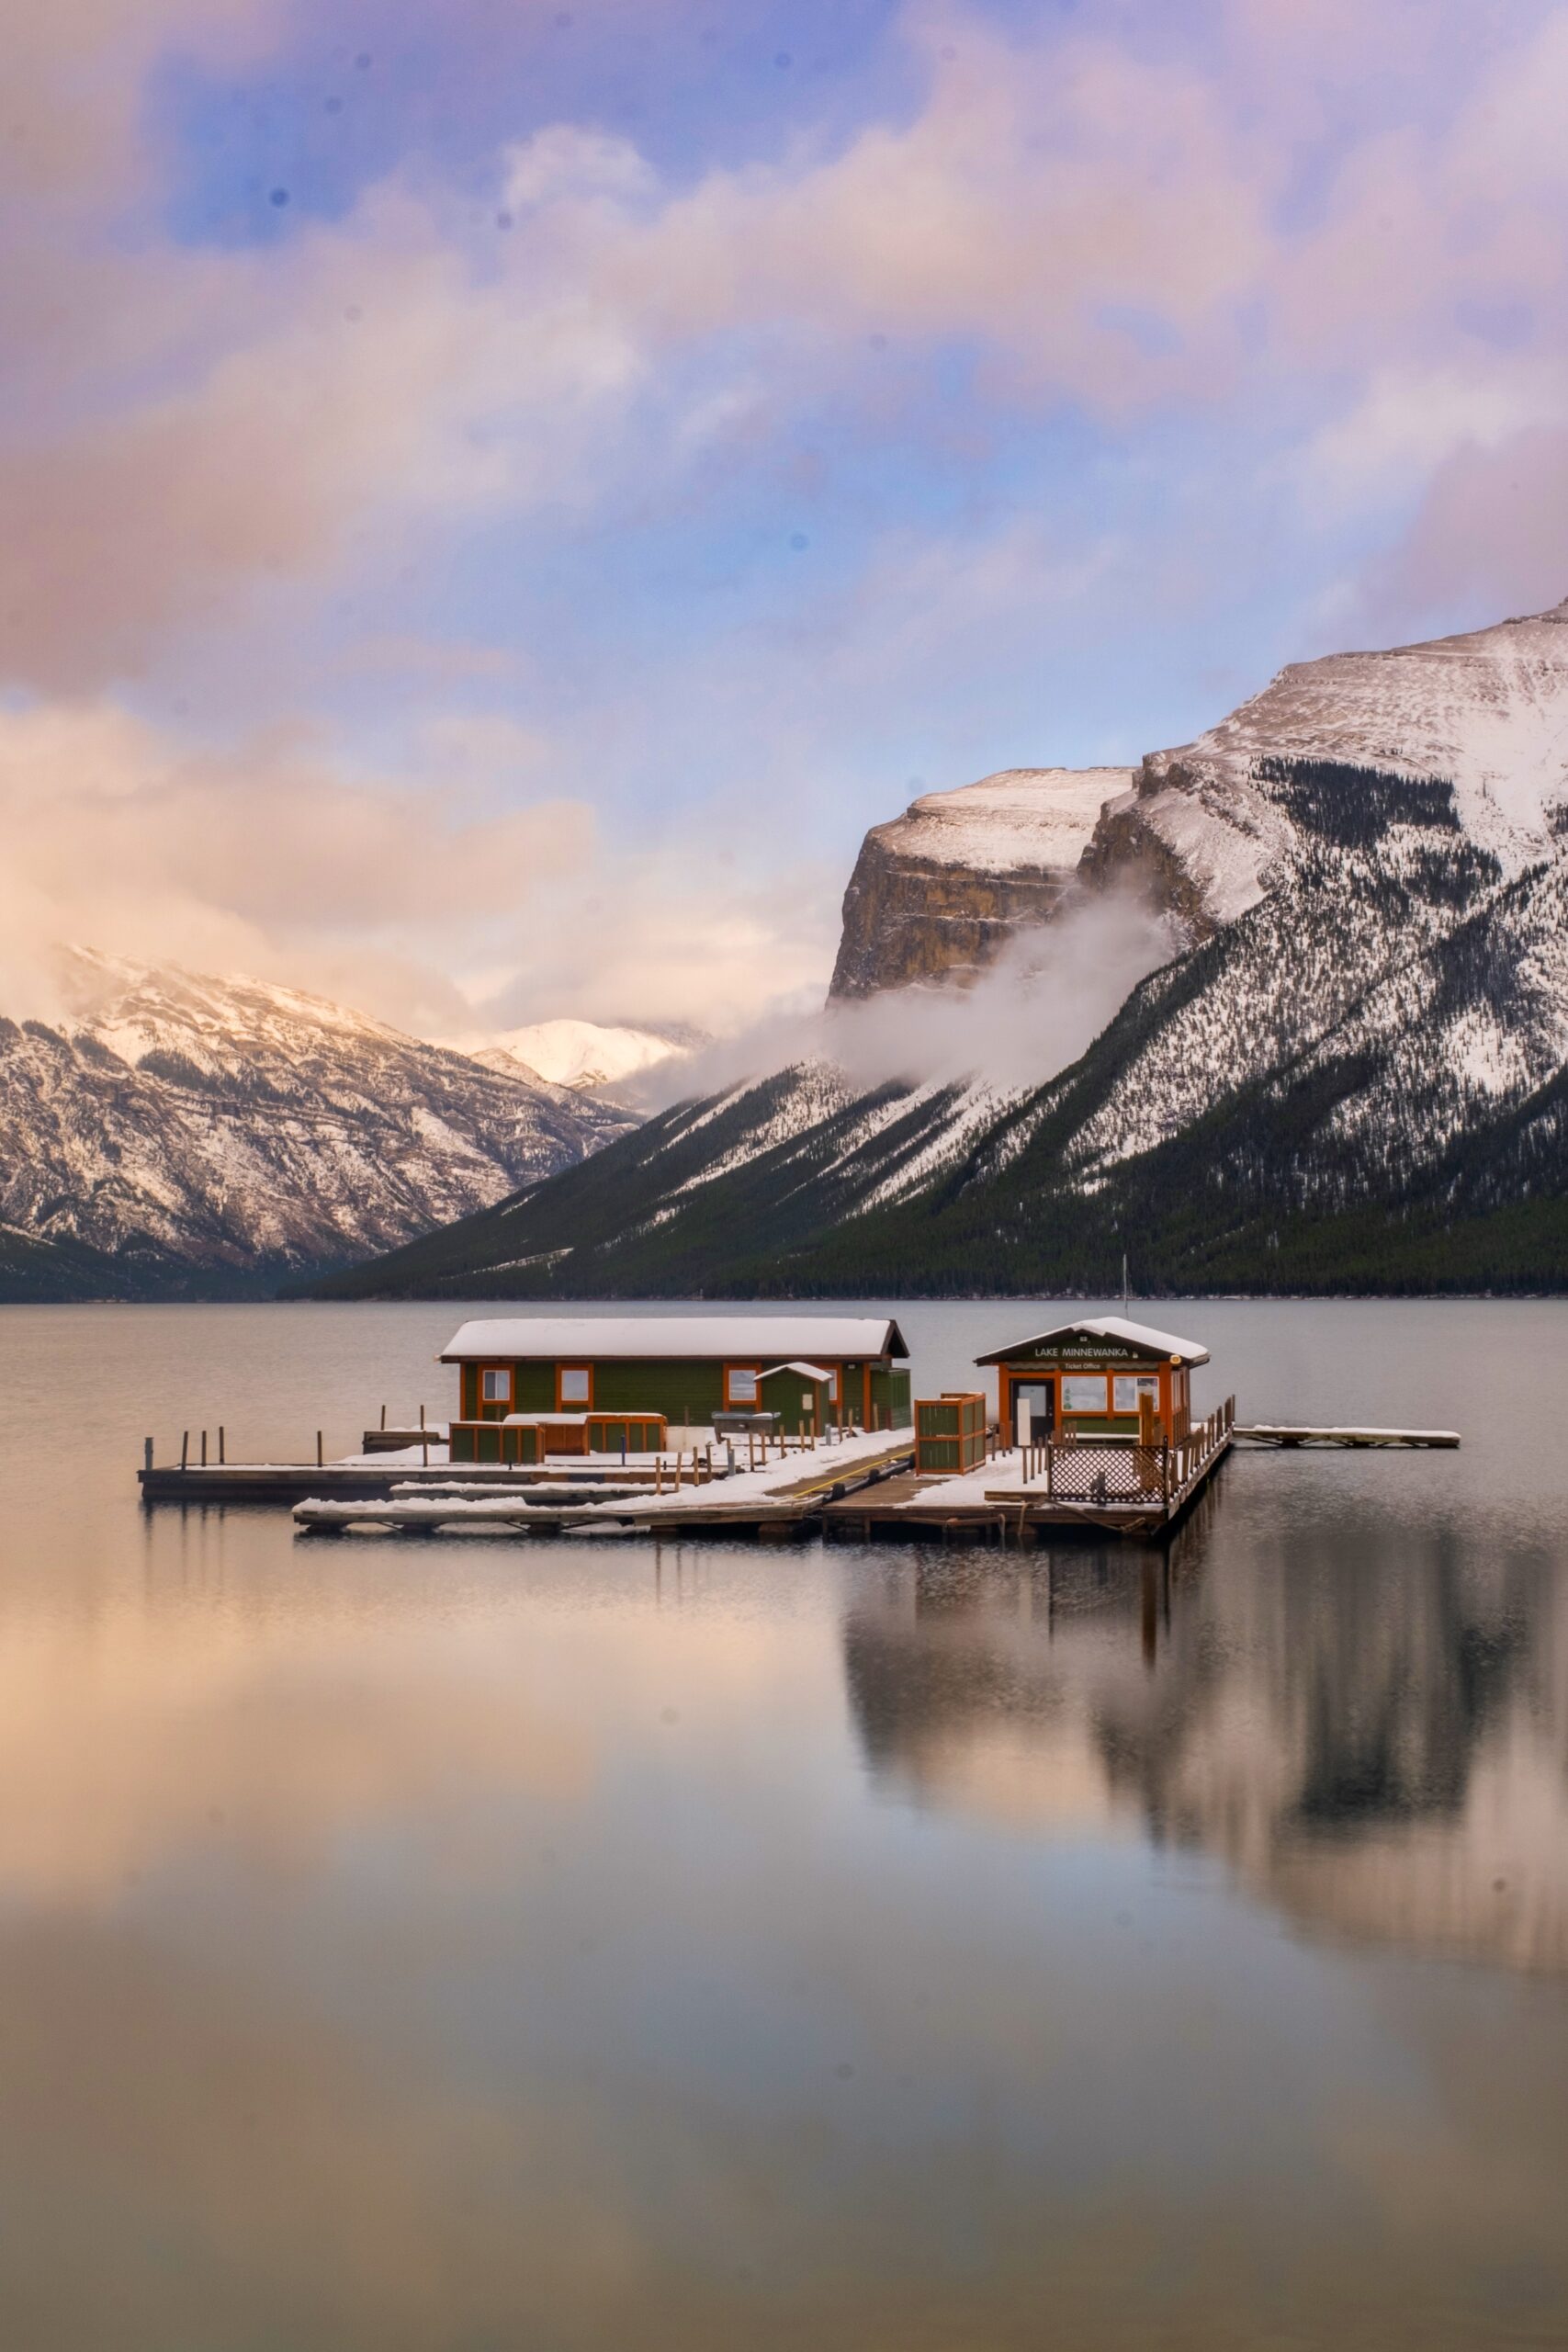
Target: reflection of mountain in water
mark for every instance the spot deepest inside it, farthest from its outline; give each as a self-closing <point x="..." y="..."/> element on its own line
<point x="1371" y="1729"/>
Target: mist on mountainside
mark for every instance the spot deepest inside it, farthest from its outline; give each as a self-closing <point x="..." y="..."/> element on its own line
<point x="1028" y="1016"/>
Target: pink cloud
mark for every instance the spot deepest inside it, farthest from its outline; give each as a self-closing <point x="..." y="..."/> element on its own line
<point x="1491" y="533"/>
<point x="420" y="900"/>
<point x="1104" y="226"/>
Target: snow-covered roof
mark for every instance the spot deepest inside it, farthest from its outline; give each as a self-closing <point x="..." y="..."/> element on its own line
<point x="1105" y="1327"/>
<point x="721" y="1339"/>
<point x="807" y="1370"/>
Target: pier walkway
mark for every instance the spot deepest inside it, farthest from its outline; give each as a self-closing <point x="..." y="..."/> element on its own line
<point x="859" y="1484"/>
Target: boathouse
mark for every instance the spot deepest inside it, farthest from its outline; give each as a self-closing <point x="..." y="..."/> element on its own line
<point x="1101" y="1377"/>
<point x="809" y="1370"/>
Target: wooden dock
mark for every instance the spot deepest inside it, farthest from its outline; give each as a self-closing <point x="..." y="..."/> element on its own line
<point x="285" y="1483"/>
<point x="1109" y="1486"/>
<point x="524" y="1504"/>
<point x="1112" y="1487"/>
<point x="1282" y="1433"/>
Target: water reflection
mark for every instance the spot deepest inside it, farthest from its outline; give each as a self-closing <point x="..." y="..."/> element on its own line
<point x="1370" y="1730"/>
<point x="424" y="1948"/>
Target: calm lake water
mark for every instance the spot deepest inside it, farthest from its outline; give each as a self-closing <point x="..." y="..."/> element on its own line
<point x="488" y="1944"/>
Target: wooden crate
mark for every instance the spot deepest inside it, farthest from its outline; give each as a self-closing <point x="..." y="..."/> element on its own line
<point x="949" y="1433"/>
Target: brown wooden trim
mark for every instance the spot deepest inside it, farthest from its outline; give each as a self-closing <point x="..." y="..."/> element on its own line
<point x="1169" y="1378"/>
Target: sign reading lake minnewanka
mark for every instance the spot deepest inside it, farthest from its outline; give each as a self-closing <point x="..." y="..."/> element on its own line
<point x="1102" y="1352"/>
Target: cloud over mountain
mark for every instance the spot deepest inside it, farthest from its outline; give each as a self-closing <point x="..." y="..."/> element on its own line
<point x="755" y="431"/>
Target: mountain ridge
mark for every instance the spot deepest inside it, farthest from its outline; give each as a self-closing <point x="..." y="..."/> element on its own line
<point x="177" y="1134"/>
<point x="1353" y="1072"/>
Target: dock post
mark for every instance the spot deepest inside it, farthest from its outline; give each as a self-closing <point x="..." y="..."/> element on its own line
<point x="220" y="1456"/>
<point x="383" y="1417"/>
<point x="147" y="1453"/>
<point x="204" y="1449"/>
<point x="318" y="1449"/>
<point x="185" y="1447"/>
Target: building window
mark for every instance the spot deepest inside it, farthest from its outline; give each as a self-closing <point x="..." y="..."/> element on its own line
<point x="1083" y="1392"/>
<point x="742" y="1383"/>
<point x="577" y="1383"/>
<point x="495" y="1387"/>
<point x="1126" y="1391"/>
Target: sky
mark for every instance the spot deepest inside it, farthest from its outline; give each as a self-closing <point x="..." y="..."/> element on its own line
<point x="498" y="497"/>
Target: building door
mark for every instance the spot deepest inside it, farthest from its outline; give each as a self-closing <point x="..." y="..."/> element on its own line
<point x="1033" y="1411"/>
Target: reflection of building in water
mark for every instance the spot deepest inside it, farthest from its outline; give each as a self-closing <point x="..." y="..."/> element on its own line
<point x="1375" y="1738"/>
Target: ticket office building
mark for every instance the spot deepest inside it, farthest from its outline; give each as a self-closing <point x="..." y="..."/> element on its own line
<point x="1095" y="1379"/>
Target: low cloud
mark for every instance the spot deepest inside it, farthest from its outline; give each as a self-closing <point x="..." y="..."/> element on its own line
<point x="1026" y="1017"/>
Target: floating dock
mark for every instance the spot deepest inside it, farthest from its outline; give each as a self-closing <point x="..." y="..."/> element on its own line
<point x="854" y="1485"/>
<point x="1112" y="1487"/>
<point x="775" y="1501"/>
<point x="1284" y="1434"/>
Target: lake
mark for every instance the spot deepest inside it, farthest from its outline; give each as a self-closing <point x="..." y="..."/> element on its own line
<point x="485" y="1943"/>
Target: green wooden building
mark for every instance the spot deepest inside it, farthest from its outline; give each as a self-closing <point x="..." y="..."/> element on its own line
<point x="808" y="1369"/>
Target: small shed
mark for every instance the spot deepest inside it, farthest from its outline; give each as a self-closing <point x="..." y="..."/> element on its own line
<point x="810" y="1369"/>
<point x="1101" y="1377"/>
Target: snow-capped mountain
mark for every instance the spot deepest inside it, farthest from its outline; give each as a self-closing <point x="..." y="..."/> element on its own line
<point x="1355" y="1073"/>
<point x="941" y="890"/>
<point x="588" y="1056"/>
<point x="173" y="1130"/>
<point x="1486" y="712"/>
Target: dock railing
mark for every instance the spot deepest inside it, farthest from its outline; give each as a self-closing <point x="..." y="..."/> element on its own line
<point x="1098" y="1474"/>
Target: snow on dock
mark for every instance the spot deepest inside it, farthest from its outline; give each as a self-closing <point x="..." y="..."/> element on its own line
<point x="706" y="1492"/>
<point x="1289" y="1433"/>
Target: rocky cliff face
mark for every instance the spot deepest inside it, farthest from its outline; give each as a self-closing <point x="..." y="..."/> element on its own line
<point x="939" y="892"/>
